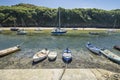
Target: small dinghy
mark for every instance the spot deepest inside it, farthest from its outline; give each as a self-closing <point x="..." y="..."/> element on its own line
<point x="52" y="55"/>
<point x="93" y="49"/>
<point x="41" y="55"/>
<point x="110" y="55"/>
<point x="67" y="56"/>
<point x="117" y="47"/>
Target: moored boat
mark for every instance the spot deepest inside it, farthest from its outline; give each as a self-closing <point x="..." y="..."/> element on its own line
<point x="93" y="49"/>
<point x="9" y="50"/>
<point x="58" y="30"/>
<point x="21" y="32"/>
<point x="52" y="55"/>
<point x="110" y="55"/>
<point x="14" y="29"/>
<point x="117" y="47"/>
<point x="41" y="55"/>
<point x="93" y="33"/>
<point x="67" y="56"/>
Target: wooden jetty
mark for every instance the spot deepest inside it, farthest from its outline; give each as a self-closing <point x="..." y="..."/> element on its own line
<point x="9" y="50"/>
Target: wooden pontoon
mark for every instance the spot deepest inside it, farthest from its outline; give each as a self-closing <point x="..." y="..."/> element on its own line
<point x="9" y="50"/>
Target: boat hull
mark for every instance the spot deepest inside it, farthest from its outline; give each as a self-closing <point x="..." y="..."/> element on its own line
<point x="39" y="59"/>
<point x="67" y="60"/>
<point x="9" y="51"/>
<point x="14" y="29"/>
<point x="111" y="56"/>
<point x="21" y="32"/>
<point x="52" y="56"/>
<point x="93" y="49"/>
<point x="58" y="33"/>
<point x="67" y="56"/>
<point x="41" y="55"/>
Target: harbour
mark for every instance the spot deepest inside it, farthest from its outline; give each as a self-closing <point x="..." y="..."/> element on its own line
<point x="82" y="57"/>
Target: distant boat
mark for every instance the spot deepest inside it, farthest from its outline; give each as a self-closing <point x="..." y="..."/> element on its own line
<point x="41" y="55"/>
<point x="14" y="28"/>
<point x="37" y="29"/>
<point x="110" y="55"/>
<point x="93" y="33"/>
<point x="52" y="55"/>
<point x="67" y="56"/>
<point x="21" y="32"/>
<point x="93" y="49"/>
<point x="58" y="30"/>
<point x="117" y="47"/>
<point x="112" y="30"/>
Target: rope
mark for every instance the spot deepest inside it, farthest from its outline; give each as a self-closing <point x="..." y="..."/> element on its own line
<point x="23" y="42"/>
<point x="63" y="72"/>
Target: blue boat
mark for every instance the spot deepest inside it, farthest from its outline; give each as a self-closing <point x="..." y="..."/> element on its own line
<point x="93" y="49"/>
<point x="58" y="31"/>
<point x="67" y="56"/>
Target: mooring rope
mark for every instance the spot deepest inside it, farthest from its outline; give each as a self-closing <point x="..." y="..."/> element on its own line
<point x="63" y="72"/>
<point x="26" y="40"/>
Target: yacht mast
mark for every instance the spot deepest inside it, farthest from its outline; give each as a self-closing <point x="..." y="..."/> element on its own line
<point x="59" y="17"/>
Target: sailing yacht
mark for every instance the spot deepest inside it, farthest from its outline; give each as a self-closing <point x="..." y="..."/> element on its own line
<point x="14" y="28"/>
<point x="58" y="30"/>
<point x="22" y="31"/>
<point x="112" y="30"/>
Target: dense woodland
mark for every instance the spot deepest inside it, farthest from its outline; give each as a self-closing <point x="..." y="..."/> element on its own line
<point x="28" y="15"/>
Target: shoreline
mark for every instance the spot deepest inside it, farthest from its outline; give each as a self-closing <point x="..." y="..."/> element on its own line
<point x="50" y="28"/>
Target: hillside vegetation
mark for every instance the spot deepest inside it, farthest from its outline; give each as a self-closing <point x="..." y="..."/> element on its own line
<point x="28" y="15"/>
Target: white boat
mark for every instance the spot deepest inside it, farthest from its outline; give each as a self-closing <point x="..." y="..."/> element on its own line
<point x="58" y="30"/>
<point x="110" y="55"/>
<point x="21" y="32"/>
<point x="41" y="55"/>
<point x="52" y="55"/>
<point x="37" y="29"/>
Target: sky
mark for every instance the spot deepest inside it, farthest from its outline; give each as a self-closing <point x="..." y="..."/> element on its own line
<point x="68" y="4"/>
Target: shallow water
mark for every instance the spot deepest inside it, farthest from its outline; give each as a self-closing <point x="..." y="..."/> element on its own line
<point x="34" y="43"/>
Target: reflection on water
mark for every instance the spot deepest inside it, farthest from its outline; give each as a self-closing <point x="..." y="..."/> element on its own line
<point x="23" y="58"/>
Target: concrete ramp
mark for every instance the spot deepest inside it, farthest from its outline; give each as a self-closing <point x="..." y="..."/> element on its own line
<point x="54" y="74"/>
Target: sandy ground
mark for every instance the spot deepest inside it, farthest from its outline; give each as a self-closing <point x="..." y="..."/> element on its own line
<point x="57" y="74"/>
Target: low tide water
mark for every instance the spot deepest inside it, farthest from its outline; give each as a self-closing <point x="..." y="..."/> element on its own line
<point x="82" y="57"/>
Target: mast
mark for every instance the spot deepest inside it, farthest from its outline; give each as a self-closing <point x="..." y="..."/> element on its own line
<point x="59" y="17"/>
